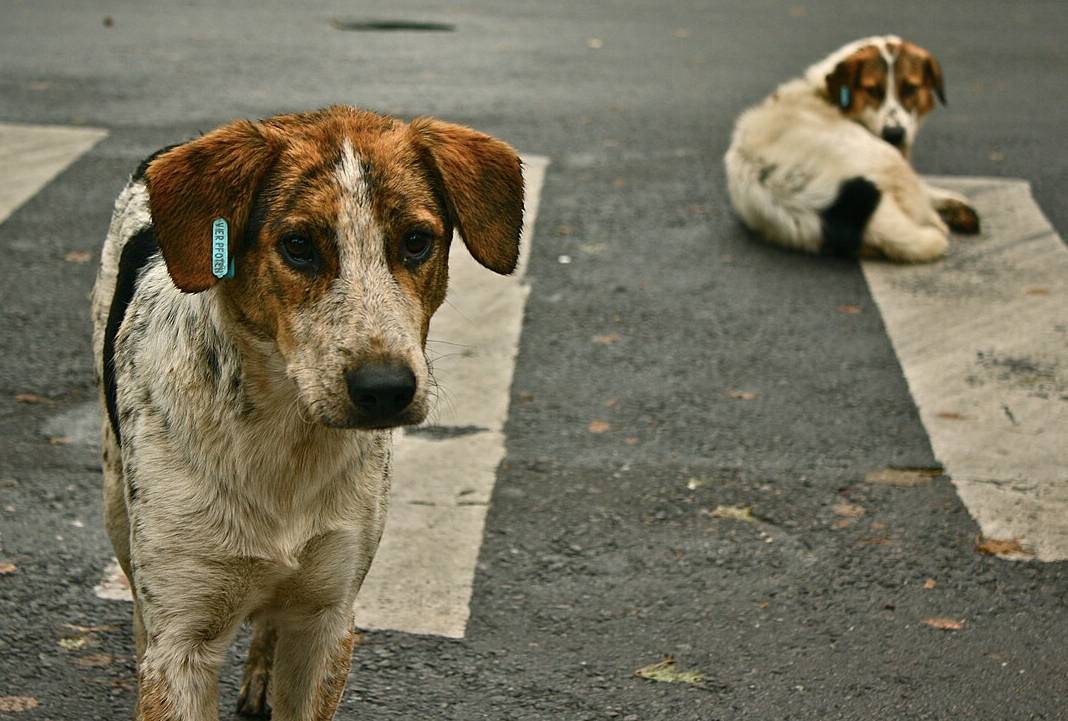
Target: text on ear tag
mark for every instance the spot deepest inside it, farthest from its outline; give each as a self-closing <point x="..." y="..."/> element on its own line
<point x="221" y="264"/>
<point x="843" y="97"/>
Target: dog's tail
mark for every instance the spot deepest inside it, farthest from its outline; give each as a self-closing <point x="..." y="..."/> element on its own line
<point x="844" y="220"/>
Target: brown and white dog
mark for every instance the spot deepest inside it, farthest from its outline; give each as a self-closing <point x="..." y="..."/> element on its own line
<point x="247" y="443"/>
<point x="822" y="164"/>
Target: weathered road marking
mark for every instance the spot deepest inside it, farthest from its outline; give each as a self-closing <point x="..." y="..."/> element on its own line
<point x="420" y="581"/>
<point x="31" y="155"/>
<point x="983" y="341"/>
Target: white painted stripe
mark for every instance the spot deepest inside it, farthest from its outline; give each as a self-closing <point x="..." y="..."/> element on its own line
<point x="983" y="341"/>
<point x="31" y="155"/>
<point x="421" y="579"/>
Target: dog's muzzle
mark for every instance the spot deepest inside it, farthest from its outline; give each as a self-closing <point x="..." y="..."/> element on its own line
<point x="380" y="391"/>
<point x="894" y="134"/>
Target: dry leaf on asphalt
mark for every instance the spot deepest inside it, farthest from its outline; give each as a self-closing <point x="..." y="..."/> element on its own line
<point x="742" y="395"/>
<point x="60" y="440"/>
<point x="1000" y="547"/>
<point x="98" y="660"/>
<point x="598" y="427"/>
<point x="667" y="672"/>
<point x="944" y="624"/>
<point x="847" y="510"/>
<point x="929" y="584"/>
<point x="78" y="256"/>
<point x="30" y="398"/>
<point x="903" y="477"/>
<point x="951" y="416"/>
<point x="849" y="309"/>
<point x="631" y="440"/>
<point x="15" y="704"/>
<point x="73" y="644"/>
<point x="607" y="339"/>
<point x="6" y="568"/>
<point x="736" y="513"/>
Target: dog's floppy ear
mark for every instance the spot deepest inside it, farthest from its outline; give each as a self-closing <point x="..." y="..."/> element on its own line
<point x="483" y="187"/>
<point x="842" y="81"/>
<point x="932" y="76"/>
<point x="191" y="185"/>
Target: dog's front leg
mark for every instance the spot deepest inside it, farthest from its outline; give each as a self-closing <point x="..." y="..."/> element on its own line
<point x="311" y="665"/>
<point x="191" y="614"/>
<point x="954" y="209"/>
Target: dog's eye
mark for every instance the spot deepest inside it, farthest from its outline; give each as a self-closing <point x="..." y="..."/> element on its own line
<point x="907" y="89"/>
<point x="416" y="245"/>
<point x="298" y="251"/>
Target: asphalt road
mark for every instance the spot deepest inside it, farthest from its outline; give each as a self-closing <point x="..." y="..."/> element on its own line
<point x="600" y="555"/>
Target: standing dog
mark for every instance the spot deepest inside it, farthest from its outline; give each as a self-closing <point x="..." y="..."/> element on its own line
<point x="823" y="163"/>
<point x="260" y="315"/>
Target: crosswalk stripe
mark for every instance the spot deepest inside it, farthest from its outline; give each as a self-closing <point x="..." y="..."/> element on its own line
<point x="982" y="338"/>
<point x="31" y="155"/>
<point x="443" y="475"/>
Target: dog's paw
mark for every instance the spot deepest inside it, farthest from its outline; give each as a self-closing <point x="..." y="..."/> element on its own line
<point x="253" y="699"/>
<point x="960" y="217"/>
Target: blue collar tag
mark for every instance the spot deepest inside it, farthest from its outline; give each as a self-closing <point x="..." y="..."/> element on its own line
<point x="222" y="265"/>
<point x="843" y="97"/>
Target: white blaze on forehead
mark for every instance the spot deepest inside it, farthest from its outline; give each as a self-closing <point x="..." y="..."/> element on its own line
<point x="358" y="234"/>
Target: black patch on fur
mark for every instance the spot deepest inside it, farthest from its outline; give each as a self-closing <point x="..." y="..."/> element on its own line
<point x="135" y="255"/>
<point x="139" y="174"/>
<point x="441" y="433"/>
<point x="845" y="219"/>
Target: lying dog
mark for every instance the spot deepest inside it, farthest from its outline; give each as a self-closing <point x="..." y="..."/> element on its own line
<point x="260" y="315"/>
<point x="823" y="163"/>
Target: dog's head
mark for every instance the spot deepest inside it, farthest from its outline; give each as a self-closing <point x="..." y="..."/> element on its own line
<point x="885" y="84"/>
<point x="340" y="224"/>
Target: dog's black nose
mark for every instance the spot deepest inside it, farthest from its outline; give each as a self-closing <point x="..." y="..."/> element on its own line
<point x="894" y="134"/>
<point x="381" y="390"/>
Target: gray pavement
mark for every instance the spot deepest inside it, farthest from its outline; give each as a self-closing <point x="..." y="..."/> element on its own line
<point x="603" y="552"/>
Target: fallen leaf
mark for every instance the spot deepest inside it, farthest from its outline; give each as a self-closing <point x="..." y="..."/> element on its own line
<point x="6" y="568"/>
<point x="598" y="426"/>
<point x="667" y="672"/>
<point x="593" y="248"/>
<point x="619" y="183"/>
<point x="694" y="483"/>
<point x="73" y="644"/>
<point x="594" y="44"/>
<point x="902" y="477"/>
<point x="98" y="660"/>
<point x="30" y="398"/>
<point x="607" y="339"/>
<point x="1000" y="547"/>
<point x="60" y="440"/>
<point x="850" y="309"/>
<point x="842" y="523"/>
<point x="78" y="256"/>
<point x="631" y="440"/>
<point x="1037" y="291"/>
<point x="736" y="513"/>
<point x="742" y="395"/>
<point x="88" y="629"/>
<point x="944" y="624"/>
<point x="847" y="510"/>
<point x="611" y="403"/>
<point x="15" y="704"/>
<point x="929" y="584"/>
<point x="951" y="416"/>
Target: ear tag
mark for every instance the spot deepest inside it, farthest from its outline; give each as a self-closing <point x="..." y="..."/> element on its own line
<point x="843" y="97"/>
<point x="222" y="265"/>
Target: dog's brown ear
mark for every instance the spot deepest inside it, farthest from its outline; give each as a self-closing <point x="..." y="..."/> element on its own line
<point x="842" y="83"/>
<point x="191" y="185"/>
<point x="483" y="186"/>
<point x="932" y="76"/>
